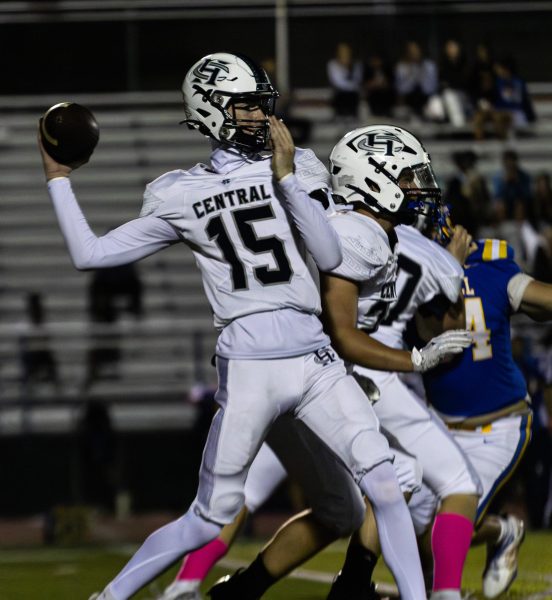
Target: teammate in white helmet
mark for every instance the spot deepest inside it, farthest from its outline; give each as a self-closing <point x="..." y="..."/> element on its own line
<point x="249" y="221"/>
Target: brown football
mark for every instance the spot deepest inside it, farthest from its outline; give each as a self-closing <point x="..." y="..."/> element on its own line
<point x="69" y="133"/>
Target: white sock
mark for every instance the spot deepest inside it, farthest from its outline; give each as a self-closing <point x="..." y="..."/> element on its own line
<point x="396" y="531"/>
<point x="185" y="585"/>
<point x="446" y="595"/>
<point x="162" y="548"/>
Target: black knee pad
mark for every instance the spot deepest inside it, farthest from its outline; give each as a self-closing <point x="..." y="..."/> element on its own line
<point x="342" y="511"/>
<point x="328" y="485"/>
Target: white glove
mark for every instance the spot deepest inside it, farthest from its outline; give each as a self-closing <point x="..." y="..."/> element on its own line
<point x="451" y="342"/>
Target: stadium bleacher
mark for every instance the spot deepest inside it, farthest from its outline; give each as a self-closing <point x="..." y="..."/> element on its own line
<point x="169" y="349"/>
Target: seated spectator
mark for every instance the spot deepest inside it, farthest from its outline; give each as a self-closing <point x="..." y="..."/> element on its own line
<point x="415" y="79"/>
<point x="511" y="186"/>
<point x="378" y="86"/>
<point x="453" y="82"/>
<point x="512" y="95"/>
<point x="506" y="104"/>
<point x="467" y="194"/>
<point x="542" y="200"/>
<point x="481" y="77"/>
<point x="345" y="77"/>
<point x="37" y="360"/>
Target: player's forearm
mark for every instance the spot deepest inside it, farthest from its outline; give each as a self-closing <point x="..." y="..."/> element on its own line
<point x="310" y="219"/>
<point x="80" y="239"/>
<point x="357" y="347"/>
<point x="537" y="301"/>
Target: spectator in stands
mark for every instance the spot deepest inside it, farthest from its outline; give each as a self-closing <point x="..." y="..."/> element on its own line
<point x="512" y="95"/>
<point x="467" y="194"/>
<point x="113" y="291"/>
<point x="415" y="79"/>
<point x="542" y="200"/>
<point x="504" y="102"/>
<point x="378" y="86"/>
<point x="454" y="83"/>
<point x="511" y="187"/>
<point x="513" y="220"/>
<point x="345" y="77"/>
<point x="37" y="360"/>
<point x="481" y="77"/>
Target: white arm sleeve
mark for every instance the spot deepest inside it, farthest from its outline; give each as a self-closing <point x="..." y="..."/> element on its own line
<point x="516" y="288"/>
<point x="128" y="243"/>
<point x="310" y="219"/>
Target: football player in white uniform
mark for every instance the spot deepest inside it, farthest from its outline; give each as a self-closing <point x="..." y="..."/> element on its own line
<point x="381" y="172"/>
<point x="248" y="219"/>
<point x="428" y="287"/>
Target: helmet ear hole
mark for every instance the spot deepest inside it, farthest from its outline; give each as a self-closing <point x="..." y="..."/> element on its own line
<point x="335" y="169"/>
<point x="372" y="185"/>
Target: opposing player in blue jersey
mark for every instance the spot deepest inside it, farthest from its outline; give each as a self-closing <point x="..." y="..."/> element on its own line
<point x="482" y="397"/>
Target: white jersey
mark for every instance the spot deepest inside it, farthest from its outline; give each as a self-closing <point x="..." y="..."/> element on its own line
<point x="250" y="258"/>
<point x="370" y="259"/>
<point x="249" y="240"/>
<point x="426" y="270"/>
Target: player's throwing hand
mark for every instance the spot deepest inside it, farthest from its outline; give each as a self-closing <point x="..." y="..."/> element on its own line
<point x="51" y="167"/>
<point x="283" y="148"/>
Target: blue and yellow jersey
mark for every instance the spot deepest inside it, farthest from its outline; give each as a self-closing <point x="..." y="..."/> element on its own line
<point x="484" y="378"/>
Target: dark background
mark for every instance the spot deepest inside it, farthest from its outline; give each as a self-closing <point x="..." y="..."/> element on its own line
<point x="51" y="57"/>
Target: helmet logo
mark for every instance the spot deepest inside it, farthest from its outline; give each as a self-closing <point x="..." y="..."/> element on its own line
<point x="212" y="71"/>
<point x="378" y="142"/>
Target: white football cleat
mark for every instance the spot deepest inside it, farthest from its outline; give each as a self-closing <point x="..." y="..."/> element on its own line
<point x="183" y="590"/>
<point x="501" y="569"/>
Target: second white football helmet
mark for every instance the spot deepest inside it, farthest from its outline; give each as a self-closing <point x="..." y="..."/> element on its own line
<point x="211" y="88"/>
<point x="367" y="164"/>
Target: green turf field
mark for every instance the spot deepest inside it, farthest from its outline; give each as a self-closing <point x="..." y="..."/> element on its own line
<point x="72" y="574"/>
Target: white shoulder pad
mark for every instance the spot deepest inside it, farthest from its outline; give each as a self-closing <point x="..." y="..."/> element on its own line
<point x="150" y="203"/>
<point x="516" y="288"/>
<point x="154" y="193"/>
<point x="310" y="171"/>
<point x="365" y="252"/>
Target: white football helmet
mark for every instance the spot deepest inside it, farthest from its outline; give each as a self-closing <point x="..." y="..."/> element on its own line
<point x="213" y="85"/>
<point x="366" y="164"/>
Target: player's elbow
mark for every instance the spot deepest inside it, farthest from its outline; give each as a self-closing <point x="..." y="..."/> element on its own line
<point x="82" y="263"/>
<point x="341" y="338"/>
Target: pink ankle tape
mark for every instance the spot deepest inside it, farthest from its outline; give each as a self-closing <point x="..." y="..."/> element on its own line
<point x="450" y="542"/>
<point x="197" y="564"/>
